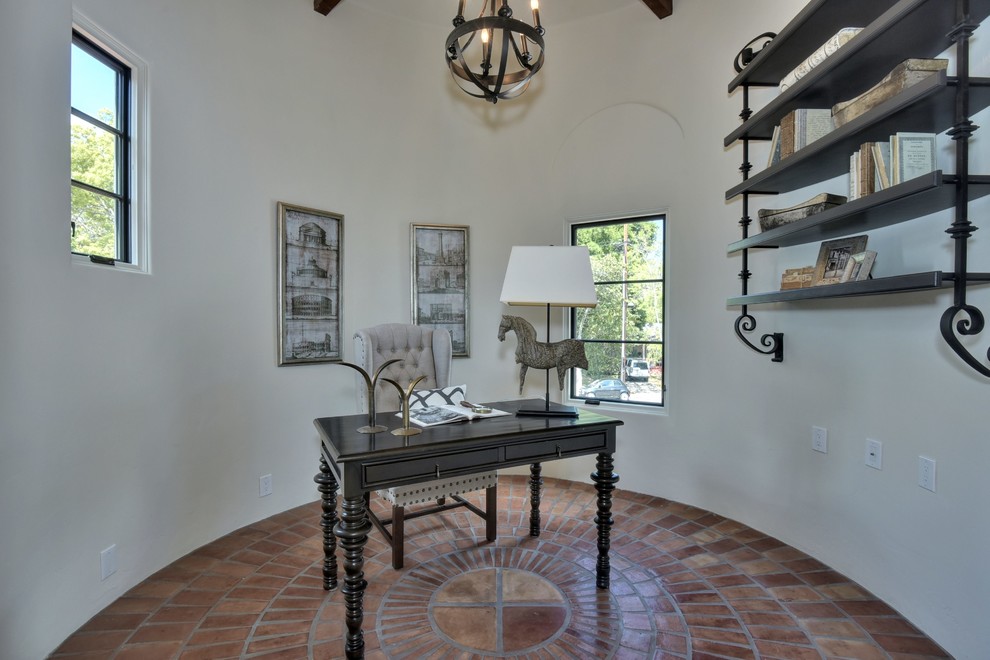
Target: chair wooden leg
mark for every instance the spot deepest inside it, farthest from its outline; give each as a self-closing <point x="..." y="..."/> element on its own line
<point x="398" y="536"/>
<point x="491" y="513"/>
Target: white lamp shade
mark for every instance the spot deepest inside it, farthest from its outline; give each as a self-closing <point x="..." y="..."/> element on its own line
<point x="559" y="276"/>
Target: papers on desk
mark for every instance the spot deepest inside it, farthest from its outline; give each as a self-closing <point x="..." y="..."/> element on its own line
<point x="447" y="414"/>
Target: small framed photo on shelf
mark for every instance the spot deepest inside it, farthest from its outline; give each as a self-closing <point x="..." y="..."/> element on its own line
<point x="833" y="257"/>
<point x="309" y="286"/>
<point x="859" y="266"/>
<point x="440" y="282"/>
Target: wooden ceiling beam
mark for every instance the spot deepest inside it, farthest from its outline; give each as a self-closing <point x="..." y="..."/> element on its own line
<point x="325" y="6"/>
<point x="662" y="8"/>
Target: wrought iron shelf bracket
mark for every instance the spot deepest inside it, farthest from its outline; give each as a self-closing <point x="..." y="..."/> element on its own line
<point x="771" y="343"/>
<point x="963" y="319"/>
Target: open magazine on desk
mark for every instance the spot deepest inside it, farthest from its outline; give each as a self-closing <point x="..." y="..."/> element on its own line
<point x="448" y="414"/>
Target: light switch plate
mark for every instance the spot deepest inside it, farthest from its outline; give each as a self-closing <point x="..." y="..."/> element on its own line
<point x="874" y="454"/>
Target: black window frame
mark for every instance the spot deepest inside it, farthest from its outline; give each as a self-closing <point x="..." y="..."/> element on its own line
<point x="649" y="217"/>
<point x="123" y="153"/>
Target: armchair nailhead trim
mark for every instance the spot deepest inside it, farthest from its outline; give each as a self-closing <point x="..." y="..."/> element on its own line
<point x="430" y="491"/>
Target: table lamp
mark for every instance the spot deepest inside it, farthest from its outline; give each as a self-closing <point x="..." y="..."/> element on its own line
<point x="551" y="276"/>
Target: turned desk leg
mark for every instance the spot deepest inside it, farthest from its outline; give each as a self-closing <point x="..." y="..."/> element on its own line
<point x="535" y="486"/>
<point x="352" y="533"/>
<point x="327" y="485"/>
<point x="605" y="480"/>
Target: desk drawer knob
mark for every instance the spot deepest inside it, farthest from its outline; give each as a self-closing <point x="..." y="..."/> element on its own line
<point x="558" y="451"/>
<point x="437" y="468"/>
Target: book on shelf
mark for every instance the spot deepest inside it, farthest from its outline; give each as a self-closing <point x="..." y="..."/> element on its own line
<point x="911" y="155"/>
<point x="870" y="169"/>
<point x="881" y="158"/>
<point x="853" y="175"/>
<point x="907" y="73"/>
<point x="449" y="413"/>
<point x="774" y="157"/>
<point x="866" y="177"/>
<point x="773" y="218"/>
<point x="820" y="54"/>
<point x="802" y="126"/>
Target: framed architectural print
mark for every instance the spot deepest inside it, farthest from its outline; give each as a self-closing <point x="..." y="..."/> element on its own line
<point x="440" y="283"/>
<point x="309" y="286"/>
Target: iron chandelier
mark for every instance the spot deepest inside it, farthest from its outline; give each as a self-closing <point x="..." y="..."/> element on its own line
<point x="495" y="56"/>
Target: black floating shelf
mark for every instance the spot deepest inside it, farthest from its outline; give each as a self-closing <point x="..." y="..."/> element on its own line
<point x="904" y="30"/>
<point x="916" y="198"/>
<point x="818" y="21"/>
<point x="929" y="280"/>
<point x="927" y="106"/>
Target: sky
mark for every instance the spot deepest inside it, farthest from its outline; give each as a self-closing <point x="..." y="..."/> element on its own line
<point x="94" y="84"/>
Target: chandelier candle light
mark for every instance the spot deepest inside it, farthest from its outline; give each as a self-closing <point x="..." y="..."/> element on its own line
<point x="495" y="56"/>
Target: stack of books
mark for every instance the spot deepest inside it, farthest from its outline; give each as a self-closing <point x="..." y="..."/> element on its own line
<point x="797" y="278"/>
<point x="879" y="165"/>
<point x="798" y="129"/>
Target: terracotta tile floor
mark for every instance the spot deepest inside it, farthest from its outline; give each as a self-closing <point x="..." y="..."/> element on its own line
<point x="686" y="583"/>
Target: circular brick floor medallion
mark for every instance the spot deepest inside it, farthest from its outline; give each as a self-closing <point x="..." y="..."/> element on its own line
<point x="499" y="610"/>
<point x="510" y="602"/>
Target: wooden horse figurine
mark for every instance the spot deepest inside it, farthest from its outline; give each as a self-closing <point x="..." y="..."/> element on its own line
<point x="561" y="355"/>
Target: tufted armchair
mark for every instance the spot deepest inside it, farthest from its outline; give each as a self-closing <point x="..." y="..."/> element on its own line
<point x="424" y="352"/>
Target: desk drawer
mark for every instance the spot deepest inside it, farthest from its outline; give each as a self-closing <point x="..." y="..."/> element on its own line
<point x="420" y="468"/>
<point x="535" y="451"/>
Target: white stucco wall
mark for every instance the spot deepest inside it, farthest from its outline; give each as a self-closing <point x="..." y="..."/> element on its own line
<point x="141" y="410"/>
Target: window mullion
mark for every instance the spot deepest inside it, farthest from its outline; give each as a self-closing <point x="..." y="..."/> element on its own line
<point x="98" y="123"/>
<point x="96" y="190"/>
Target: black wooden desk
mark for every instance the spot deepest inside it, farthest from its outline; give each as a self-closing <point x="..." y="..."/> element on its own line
<point x="360" y="463"/>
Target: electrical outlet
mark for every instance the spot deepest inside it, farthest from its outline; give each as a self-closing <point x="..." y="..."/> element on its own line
<point x="926" y="473"/>
<point x="108" y="562"/>
<point x="265" y="486"/>
<point x="874" y="454"/>
<point x="819" y="439"/>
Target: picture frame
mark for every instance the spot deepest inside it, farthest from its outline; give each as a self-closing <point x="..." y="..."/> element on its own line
<point x="833" y="257"/>
<point x="859" y="266"/>
<point x="310" y="265"/>
<point x="440" y="281"/>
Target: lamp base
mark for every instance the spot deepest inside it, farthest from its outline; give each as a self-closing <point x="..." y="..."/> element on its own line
<point x="554" y="410"/>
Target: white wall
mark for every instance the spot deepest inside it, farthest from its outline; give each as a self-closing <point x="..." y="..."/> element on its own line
<point x="140" y="410"/>
<point x="737" y="436"/>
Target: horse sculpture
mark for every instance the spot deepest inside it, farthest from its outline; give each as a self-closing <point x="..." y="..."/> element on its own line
<point x="563" y="354"/>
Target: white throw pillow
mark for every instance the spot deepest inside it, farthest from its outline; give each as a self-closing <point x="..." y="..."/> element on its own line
<point x="444" y="396"/>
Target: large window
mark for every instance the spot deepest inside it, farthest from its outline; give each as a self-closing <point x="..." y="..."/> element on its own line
<point x="623" y="335"/>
